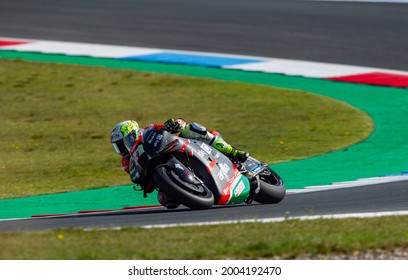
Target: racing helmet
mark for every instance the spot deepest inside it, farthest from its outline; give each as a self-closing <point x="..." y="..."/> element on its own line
<point x="123" y="136"/>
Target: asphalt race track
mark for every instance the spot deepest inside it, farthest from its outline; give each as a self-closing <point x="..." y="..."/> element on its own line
<point x="364" y="34"/>
<point x="378" y="198"/>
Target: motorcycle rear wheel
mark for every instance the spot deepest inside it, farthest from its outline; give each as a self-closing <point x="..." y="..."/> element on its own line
<point x="272" y="187"/>
<point x="197" y="197"/>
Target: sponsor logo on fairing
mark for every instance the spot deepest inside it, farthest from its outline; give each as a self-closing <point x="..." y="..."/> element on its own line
<point x="227" y="190"/>
<point x="177" y="165"/>
<point x="224" y="168"/>
<point x="220" y="175"/>
<point x="201" y="153"/>
<point x="239" y="189"/>
<point x="158" y="139"/>
<point x="255" y="169"/>
<point x="206" y="148"/>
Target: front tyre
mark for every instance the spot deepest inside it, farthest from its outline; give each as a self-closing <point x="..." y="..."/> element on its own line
<point x="194" y="196"/>
<point x="272" y="187"/>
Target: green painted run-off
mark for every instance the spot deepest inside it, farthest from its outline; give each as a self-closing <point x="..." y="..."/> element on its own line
<point x="384" y="152"/>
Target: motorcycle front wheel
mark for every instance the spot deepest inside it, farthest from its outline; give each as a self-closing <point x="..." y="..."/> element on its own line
<point x="272" y="187"/>
<point x="194" y="196"/>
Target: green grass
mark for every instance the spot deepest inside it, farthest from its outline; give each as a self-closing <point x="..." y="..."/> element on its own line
<point x="284" y="240"/>
<point x="56" y="121"/>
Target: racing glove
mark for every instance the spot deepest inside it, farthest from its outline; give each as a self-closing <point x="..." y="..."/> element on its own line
<point x="174" y="125"/>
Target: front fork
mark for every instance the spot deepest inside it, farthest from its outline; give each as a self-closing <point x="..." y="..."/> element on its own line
<point x="255" y="187"/>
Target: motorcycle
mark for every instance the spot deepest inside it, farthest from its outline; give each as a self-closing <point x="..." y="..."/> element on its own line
<point x="199" y="176"/>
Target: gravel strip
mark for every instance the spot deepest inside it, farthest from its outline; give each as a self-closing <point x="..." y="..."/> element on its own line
<point x="377" y="254"/>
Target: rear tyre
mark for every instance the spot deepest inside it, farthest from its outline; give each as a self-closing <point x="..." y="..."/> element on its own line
<point x="194" y="196"/>
<point x="272" y="187"/>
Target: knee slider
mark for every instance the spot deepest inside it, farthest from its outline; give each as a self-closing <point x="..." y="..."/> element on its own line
<point x="198" y="128"/>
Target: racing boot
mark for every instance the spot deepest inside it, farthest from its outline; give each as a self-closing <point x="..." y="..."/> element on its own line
<point x="238" y="155"/>
<point x="234" y="154"/>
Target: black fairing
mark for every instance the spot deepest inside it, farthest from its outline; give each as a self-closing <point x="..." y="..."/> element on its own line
<point x="163" y="148"/>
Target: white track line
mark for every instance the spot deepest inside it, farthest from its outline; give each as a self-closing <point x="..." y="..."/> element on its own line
<point x="351" y="184"/>
<point x="283" y="219"/>
<point x="269" y="65"/>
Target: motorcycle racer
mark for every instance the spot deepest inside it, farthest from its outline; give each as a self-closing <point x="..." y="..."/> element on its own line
<point x="125" y="134"/>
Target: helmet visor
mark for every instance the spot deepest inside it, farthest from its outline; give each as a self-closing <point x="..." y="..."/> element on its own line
<point x="130" y="140"/>
<point x="120" y="148"/>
